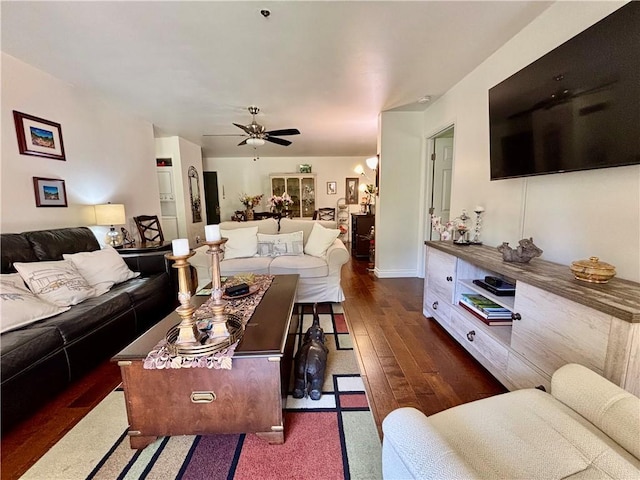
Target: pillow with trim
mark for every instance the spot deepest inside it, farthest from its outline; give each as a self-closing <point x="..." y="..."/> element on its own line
<point x="242" y="243"/>
<point x="57" y="282"/>
<point x="282" y="244"/>
<point x="20" y="307"/>
<point x="102" y="269"/>
<point x="320" y="240"/>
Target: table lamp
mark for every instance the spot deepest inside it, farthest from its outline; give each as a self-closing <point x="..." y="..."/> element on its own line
<point x="111" y="214"/>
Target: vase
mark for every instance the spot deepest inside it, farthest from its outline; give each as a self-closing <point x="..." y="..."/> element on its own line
<point x="249" y="214"/>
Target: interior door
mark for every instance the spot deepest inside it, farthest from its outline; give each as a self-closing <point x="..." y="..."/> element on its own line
<point x="211" y="197"/>
<point x="442" y="171"/>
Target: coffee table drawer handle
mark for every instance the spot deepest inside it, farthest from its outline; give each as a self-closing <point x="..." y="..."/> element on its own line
<point x="202" y="397"/>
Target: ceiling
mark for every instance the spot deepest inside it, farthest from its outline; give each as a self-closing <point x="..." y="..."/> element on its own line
<point x="327" y="68"/>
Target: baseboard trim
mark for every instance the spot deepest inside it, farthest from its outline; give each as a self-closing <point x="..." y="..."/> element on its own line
<point x="395" y="273"/>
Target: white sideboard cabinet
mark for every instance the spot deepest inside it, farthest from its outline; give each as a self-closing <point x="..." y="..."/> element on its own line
<point x="556" y="319"/>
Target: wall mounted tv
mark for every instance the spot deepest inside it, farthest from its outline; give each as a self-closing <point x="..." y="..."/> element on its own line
<point x="575" y="108"/>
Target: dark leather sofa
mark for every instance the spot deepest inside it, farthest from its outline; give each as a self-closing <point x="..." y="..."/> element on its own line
<point x="39" y="360"/>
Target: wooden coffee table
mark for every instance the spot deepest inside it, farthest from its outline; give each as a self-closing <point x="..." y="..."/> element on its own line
<point x="249" y="398"/>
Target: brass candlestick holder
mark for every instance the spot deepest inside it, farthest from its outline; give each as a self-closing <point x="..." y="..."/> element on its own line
<point x="188" y="333"/>
<point x="219" y="320"/>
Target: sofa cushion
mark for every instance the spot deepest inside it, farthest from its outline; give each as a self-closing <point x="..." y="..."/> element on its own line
<point x="21" y="349"/>
<point x="14" y="247"/>
<point x="306" y="266"/>
<point x="281" y="244"/>
<point x="102" y="269"/>
<point x="243" y="242"/>
<point x="52" y="244"/>
<point x="320" y="240"/>
<point x="91" y="314"/>
<point x="57" y="282"/>
<point x="267" y="225"/>
<point x="245" y="265"/>
<point x="19" y="306"/>
<point x="143" y="288"/>
<point x="289" y="225"/>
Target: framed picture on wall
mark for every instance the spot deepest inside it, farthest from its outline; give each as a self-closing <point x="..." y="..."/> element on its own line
<point x="351" y="191"/>
<point x="39" y="137"/>
<point x="332" y="188"/>
<point x="50" y="192"/>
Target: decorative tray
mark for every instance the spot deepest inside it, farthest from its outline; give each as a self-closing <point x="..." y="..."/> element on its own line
<point x="252" y="289"/>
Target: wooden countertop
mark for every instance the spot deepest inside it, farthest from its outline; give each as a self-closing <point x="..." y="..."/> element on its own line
<point x="619" y="298"/>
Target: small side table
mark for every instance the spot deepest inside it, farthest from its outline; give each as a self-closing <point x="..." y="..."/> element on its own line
<point x="149" y="247"/>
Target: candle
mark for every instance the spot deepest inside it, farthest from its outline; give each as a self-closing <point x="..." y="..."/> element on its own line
<point x="212" y="233"/>
<point x="478" y="209"/>
<point x="180" y="247"/>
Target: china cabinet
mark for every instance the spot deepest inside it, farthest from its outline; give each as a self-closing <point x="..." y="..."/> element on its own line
<point x="301" y="187"/>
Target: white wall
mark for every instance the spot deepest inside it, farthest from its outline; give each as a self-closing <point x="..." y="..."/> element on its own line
<point x="244" y="175"/>
<point x="110" y="154"/>
<point x="399" y="211"/>
<point x="184" y="155"/>
<point x="570" y="216"/>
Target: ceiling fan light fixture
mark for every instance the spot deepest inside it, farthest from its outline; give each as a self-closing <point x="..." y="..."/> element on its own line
<point x="255" y="142"/>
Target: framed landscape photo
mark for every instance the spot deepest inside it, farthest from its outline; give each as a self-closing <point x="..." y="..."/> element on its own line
<point x="39" y="137"/>
<point x="351" y="191"/>
<point x="332" y="188"/>
<point x="50" y="192"/>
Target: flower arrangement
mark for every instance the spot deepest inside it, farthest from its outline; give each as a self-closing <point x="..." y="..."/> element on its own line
<point x="443" y="229"/>
<point x="280" y="202"/>
<point x="250" y="202"/>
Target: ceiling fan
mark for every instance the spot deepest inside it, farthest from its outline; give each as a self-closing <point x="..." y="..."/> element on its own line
<point x="256" y="133"/>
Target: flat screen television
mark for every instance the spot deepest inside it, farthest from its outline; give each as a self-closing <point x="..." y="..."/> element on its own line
<point x="575" y="108"/>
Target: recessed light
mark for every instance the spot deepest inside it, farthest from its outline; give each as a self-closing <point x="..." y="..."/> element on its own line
<point x="425" y="99"/>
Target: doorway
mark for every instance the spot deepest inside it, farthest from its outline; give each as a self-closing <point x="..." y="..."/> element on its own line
<point x="211" y="198"/>
<point x="441" y="158"/>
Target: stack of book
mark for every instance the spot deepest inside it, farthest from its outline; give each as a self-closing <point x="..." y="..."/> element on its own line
<point x="486" y="310"/>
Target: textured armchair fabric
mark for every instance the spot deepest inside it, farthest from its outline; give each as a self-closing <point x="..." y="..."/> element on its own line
<point x="526" y="434"/>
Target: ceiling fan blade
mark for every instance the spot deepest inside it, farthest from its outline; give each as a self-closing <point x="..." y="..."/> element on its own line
<point x="243" y="142"/>
<point x="284" y="132"/>
<point x="247" y="130"/>
<point x="279" y="141"/>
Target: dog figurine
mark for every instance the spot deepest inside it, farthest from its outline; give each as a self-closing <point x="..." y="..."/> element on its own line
<point x="311" y="361"/>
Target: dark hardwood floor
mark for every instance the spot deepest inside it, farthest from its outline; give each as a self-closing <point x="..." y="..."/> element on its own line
<point x="405" y="359"/>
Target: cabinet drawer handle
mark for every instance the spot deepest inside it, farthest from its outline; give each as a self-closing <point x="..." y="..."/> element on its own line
<point x="449" y="279"/>
<point x="470" y="335"/>
<point x="202" y="397"/>
<point x="516" y="316"/>
<point x="434" y="305"/>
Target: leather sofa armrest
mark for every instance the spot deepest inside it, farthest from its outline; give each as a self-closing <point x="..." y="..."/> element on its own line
<point x="413" y="448"/>
<point x="147" y="264"/>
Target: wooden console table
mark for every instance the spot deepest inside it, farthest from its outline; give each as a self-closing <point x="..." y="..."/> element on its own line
<point x="556" y="318"/>
<point x="200" y="401"/>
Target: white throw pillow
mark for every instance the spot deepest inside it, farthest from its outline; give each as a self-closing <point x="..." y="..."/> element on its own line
<point x="320" y="240"/>
<point x="57" y="282"/>
<point x="243" y="242"/>
<point x="283" y="244"/>
<point x="20" y="307"/>
<point x="102" y="269"/>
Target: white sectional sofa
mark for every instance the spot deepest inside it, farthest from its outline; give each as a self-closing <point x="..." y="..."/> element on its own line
<point x="586" y="428"/>
<point x="319" y="275"/>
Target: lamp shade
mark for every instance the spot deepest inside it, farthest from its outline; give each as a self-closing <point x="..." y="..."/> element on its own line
<point x="110" y="214"/>
<point x="359" y="170"/>
<point x="372" y="162"/>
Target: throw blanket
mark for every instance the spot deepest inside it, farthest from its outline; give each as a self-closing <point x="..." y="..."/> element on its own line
<point x="160" y="358"/>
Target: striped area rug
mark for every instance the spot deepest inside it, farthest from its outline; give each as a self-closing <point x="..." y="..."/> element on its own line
<point x="332" y="438"/>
